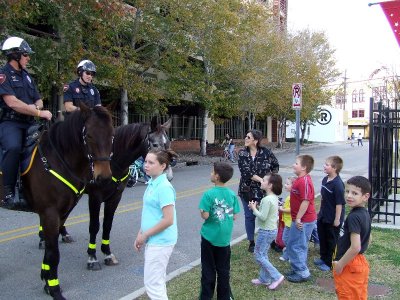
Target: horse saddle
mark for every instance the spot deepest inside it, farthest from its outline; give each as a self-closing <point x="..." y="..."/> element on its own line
<point x="30" y="147"/>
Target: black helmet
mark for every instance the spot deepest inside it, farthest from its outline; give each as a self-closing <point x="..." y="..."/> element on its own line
<point x="85" y="65"/>
<point x="14" y="47"/>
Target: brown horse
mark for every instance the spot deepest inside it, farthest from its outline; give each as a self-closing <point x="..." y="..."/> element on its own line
<point x="69" y="155"/>
<point x="131" y="142"/>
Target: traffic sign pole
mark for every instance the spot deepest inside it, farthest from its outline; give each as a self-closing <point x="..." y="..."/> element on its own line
<point x="296" y="105"/>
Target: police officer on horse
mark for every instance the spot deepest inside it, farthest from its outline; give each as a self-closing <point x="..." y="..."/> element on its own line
<point x="20" y="102"/>
<point x="82" y="88"/>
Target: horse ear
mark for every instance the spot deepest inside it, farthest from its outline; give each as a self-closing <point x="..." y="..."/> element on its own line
<point x="167" y="125"/>
<point x="85" y="110"/>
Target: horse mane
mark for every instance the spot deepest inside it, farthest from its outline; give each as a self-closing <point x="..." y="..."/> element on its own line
<point x="129" y="135"/>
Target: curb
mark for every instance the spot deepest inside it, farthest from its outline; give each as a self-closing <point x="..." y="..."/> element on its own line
<point x="177" y="272"/>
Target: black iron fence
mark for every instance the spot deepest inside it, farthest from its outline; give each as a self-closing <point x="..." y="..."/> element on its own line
<point x="384" y="203"/>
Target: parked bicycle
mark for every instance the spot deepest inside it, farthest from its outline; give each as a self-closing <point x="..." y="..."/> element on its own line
<point x="136" y="173"/>
<point x="226" y="155"/>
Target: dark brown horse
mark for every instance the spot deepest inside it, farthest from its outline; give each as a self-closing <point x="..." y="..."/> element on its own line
<point x="131" y="141"/>
<point x="69" y="156"/>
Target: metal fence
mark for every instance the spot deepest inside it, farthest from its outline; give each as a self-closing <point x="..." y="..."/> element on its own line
<point x="384" y="203"/>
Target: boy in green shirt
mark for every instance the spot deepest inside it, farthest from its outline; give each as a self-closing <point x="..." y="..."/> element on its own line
<point x="218" y="207"/>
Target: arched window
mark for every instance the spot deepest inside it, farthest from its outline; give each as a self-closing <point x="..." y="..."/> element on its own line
<point x="354" y="96"/>
<point x="361" y="96"/>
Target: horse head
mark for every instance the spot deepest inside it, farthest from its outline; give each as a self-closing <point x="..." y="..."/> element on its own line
<point x="158" y="136"/>
<point x="98" y="135"/>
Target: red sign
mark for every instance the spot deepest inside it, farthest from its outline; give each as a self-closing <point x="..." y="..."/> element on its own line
<point x="296" y="93"/>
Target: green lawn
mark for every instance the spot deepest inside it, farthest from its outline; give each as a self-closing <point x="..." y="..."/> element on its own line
<point x="383" y="256"/>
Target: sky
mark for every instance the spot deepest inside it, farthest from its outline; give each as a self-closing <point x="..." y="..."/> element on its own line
<point x="360" y="34"/>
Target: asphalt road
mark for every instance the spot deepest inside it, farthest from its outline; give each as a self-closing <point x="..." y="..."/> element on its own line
<point x="20" y="258"/>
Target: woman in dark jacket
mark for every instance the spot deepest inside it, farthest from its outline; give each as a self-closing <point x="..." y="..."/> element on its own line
<point x="254" y="163"/>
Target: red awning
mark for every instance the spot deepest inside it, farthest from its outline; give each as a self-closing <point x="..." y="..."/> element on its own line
<point x="392" y="12"/>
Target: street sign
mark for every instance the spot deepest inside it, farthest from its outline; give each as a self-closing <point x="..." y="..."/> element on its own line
<point x="296" y="93"/>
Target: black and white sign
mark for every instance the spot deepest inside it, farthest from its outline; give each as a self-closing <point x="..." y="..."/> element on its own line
<point x="296" y="93"/>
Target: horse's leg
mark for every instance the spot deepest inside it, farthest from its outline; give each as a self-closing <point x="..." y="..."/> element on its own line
<point x="110" y="207"/>
<point x="49" y="272"/>
<point x="41" y="237"/>
<point x="94" y="226"/>
<point x="65" y="236"/>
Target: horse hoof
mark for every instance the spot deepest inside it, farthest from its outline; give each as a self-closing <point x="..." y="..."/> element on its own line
<point x="46" y="289"/>
<point x="67" y="239"/>
<point x="111" y="260"/>
<point x="41" y="244"/>
<point x="94" y="266"/>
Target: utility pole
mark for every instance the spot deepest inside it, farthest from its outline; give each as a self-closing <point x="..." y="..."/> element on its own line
<point x="344" y="90"/>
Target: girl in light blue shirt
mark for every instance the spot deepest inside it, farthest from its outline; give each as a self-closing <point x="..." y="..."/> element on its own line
<point x="158" y="226"/>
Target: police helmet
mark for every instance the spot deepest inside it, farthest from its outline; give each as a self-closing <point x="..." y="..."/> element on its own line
<point x="85" y="65"/>
<point x="14" y="47"/>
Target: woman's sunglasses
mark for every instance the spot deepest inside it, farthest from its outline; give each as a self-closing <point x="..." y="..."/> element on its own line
<point x="90" y="73"/>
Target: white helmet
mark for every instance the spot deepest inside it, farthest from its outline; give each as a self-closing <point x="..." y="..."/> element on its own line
<point x="16" y="45"/>
<point x="85" y="65"/>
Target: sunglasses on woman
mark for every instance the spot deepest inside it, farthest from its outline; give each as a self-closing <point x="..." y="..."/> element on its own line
<point x="90" y="73"/>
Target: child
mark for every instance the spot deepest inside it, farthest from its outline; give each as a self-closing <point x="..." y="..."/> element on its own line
<point x="331" y="213"/>
<point x="158" y="226"/>
<point x="304" y="217"/>
<point x="218" y="207"/>
<point x="286" y="217"/>
<point x="267" y="218"/>
<point x="350" y="268"/>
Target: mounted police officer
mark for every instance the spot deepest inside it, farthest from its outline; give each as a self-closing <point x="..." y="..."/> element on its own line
<point x="82" y="88"/>
<point x="20" y="102"/>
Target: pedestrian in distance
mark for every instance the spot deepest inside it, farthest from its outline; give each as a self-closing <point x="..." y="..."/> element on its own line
<point x="82" y="89"/>
<point x="302" y="209"/>
<point x="158" y="229"/>
<point x="229" y="146"/>
<point x="352" y="139"/>
<point x="350" y="267"/>
<point x="286" y="217"/>
<point x="267" y="219"/>
<point x="218" y="207"/>
<point x="360" y="140"/>
<point x="331" y="213"/>
<point x="255" y="161"/>
<point x="20" y="103"/>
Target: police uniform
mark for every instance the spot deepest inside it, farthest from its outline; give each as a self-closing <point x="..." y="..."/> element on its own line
<point x="75" y="92"/>
<point x="13" y="124"/>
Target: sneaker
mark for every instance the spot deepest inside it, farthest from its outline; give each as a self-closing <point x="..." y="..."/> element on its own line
<point x="275" y="284"/>
<point x="318" y="261"/>
<point x="251" y="246"/>
<point x="297" y="278"/>
<point x="258" y="282"/>
<point x="283" y="258"/>
<point x="291" y="272"/>
<point x="324" y="268"/>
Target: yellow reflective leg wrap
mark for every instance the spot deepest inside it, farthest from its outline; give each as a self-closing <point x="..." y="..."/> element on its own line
<point x="52" y="282"/>
<point x="40" y="228"/>
<point x="92" y="246"/>
<point x="45" y="267"/>
<point x="105" y="242"/>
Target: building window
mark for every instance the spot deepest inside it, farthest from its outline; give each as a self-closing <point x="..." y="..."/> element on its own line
<point x="354" y="114"/>
<point x="361" y="113"/>
<point x="354" y="96"/>
<point x="361" y="95"/>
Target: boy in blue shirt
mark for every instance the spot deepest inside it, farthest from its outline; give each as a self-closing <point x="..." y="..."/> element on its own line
<point x="218" y="207"/>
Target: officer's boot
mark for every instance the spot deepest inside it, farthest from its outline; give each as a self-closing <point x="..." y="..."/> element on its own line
<point x="9" y="197"/>
<point x="23" y="205"/>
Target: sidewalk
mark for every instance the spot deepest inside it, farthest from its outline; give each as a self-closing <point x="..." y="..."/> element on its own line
<point x="190" y="158"/>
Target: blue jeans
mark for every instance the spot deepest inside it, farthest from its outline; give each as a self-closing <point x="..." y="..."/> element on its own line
<point x="285" y="238"/>
<point x="268" y="273"/>
<point x="249" y="220"/>
<point x="230" y="149"/>
<point x="297" y="248"/>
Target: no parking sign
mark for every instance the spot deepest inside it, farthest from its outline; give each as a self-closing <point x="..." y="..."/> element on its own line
<point x="296" y="93"/>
